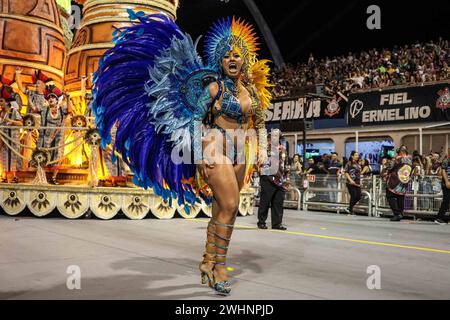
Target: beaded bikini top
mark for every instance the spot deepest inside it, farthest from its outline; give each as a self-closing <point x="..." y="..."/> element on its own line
<point x="230" y="103"/>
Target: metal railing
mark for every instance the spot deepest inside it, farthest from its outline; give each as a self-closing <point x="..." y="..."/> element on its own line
<point x="292" y="200"/>
<point x="423" y="196"/>
<point x="329" y="193"/>
<point x="21" y="141"/>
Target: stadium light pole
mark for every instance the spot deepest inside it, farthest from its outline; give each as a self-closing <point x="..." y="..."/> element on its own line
<point x="267" y="33"/>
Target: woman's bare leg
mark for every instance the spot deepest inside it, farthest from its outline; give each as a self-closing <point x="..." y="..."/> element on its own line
<point x="207" y="264"/>
<point x="239" y="171"/>
<point x="222" y="180"/>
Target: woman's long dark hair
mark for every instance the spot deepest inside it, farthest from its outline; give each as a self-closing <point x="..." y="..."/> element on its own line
<point x="299" y="159"/>
<point x="351" y="155"/>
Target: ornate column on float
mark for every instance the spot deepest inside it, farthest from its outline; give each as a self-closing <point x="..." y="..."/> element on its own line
<point x="65" y="10"/>
<point x="31" y="37"/>
<point x="94" y="37"/>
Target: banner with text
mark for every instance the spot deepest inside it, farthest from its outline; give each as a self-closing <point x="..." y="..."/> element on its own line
<point x="415" y="104"/>
<point x="303" y="108"/>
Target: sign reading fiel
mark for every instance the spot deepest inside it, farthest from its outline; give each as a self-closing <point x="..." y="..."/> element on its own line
<point x="415" y="104"/>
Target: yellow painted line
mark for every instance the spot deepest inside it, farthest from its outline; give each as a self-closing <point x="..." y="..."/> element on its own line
<point x="313" y="235"/>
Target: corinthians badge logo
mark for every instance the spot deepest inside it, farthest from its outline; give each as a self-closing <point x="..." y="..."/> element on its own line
<point x="443" y="102"/>
<point x="333" y="107"/>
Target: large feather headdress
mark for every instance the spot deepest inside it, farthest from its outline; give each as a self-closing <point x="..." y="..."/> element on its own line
<point x="236" y="34"/>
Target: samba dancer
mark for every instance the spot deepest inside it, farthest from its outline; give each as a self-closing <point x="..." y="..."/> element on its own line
<point x="156" y="86"/>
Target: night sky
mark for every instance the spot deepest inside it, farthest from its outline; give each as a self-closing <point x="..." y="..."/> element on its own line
<point x="327" y="28"/>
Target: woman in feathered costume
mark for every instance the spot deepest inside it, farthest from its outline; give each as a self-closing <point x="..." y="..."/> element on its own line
<point x="170" y="108"/>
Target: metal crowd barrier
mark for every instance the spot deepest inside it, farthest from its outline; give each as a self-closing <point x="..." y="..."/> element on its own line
<point x="292" y="200"/>
<point x="423" y="196"/>
<point x="329" y="192"/>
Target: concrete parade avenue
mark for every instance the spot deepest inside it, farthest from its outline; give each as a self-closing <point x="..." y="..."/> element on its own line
<point x="320" y="256"/>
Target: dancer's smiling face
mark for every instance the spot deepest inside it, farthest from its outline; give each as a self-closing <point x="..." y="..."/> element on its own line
<point x="232" y="64"/>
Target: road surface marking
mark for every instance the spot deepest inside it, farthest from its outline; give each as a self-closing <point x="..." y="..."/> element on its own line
<point x="313" y="235"/>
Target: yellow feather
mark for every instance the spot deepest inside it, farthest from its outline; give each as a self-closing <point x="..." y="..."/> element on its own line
<point x="259" y="74"/>
<point x="244" y="38"/>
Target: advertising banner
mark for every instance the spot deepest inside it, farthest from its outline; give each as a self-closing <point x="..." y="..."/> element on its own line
<point x="406" y="105"/>
<point x="303" y="108"/>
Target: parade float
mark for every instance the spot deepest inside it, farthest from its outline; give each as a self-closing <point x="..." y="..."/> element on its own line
<point x="32" y="37"/>
<point x="88" y="185"/>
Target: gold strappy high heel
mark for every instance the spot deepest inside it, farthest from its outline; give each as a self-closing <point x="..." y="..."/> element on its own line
<point x="206" y="270"/>
<point x="221" y="244"/>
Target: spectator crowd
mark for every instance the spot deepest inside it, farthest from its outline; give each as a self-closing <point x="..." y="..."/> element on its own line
<point x="331" y="164"/>
<point x="407" y="64"/>
<point x="426" y="174"/>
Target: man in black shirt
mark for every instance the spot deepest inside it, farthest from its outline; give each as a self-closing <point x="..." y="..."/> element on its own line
<point x="334" y="165"/>
<point x="312" y="168"/>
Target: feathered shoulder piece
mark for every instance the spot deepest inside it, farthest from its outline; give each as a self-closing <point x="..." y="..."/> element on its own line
<point x="259" y="77"/>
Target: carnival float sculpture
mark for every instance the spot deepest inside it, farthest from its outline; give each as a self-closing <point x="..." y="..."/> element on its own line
<point x="54" y="62"/>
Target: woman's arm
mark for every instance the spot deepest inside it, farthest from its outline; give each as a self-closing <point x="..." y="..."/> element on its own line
<point x="298" y="168"/>
<point x="365" y="170"/>
<point x="15" y="122"/>
<point x="18" y="79"/>
<point x="68" y="103"/>
<point x="347" y="176"/>
<point x="33" y="107"/>
<point x="349" y="179"/>
<point x="15" y="118"/>
<point x="213" y="91"/>
<point x="204" y="104"/>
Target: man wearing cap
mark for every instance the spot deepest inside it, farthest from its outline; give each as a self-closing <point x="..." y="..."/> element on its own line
<point x="398" y="174"/>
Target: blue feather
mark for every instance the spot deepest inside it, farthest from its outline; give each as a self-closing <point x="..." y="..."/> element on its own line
<point x="137" y="86"/>
<point x="132" y="15"/>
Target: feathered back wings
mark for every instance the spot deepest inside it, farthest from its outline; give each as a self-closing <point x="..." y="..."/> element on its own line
<point x="148" y="86"/>
<point x="153" y="86"/>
